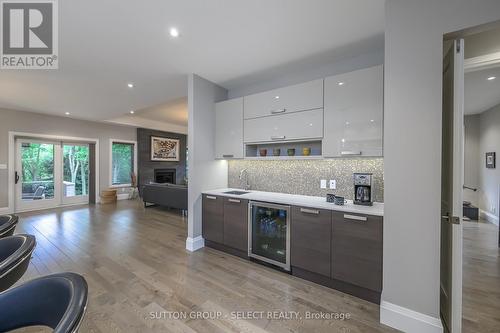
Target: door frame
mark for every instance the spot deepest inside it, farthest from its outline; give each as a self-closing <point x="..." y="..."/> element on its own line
<point x="57" y="173"/>
<point x="11" y="208"/>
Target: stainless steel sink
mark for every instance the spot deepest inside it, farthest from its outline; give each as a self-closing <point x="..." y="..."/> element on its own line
<point x="236" y="192"/>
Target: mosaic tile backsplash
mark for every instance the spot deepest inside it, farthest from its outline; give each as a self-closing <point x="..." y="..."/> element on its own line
<point x="303" y="176"/>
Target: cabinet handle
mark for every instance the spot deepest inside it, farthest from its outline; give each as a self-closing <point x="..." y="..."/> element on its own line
<point x="345" y="153"/>
<point x="234" y="200"/>
<point x="227" y="155"/>
<point x="309" y="211"/>
<point x="278" y="137"/>
<point x="211" y="197"/>
<point x="355" y="217"/>
<point x="278" y="111"/>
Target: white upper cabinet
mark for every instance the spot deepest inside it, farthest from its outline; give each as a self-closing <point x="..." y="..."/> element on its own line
<point x="229" y="129"/>
<point x="292" y="126"/>
<point x="299" y="97"/>
<point x="354" y="114"/>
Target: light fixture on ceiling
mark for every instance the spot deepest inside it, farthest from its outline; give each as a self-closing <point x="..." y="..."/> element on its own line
<point x="341" y="83"/>
<point x="132" y="111"/>
<point x="130" y="85"/>
<point x="174" y="32"/>
<point x="276" y="97"/>
<point x="67" y="113"/>
<point x="372" y="120"/>
<point x="347" y="123"/>
<point x="491" y="78"/>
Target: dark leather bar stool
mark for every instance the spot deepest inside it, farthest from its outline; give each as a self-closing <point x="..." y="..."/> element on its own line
<point x="57" y="301"/>
<point x="8" y="225"/>
<point x="15" y="255"/>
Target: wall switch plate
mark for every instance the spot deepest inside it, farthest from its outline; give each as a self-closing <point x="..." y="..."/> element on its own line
<point x="333" y="184"/>
<point x="323" y="183"/>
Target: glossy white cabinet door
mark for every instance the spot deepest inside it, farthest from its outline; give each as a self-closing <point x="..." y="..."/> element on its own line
<point x="229" y="129"/>
<point x="354" y="113"/>
<point x="293" y="126"/>
<point x="299" y="97"/>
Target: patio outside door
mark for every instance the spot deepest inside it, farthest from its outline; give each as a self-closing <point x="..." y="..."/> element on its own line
<point x="37" y="172"/>
<point x="51" y="174"/>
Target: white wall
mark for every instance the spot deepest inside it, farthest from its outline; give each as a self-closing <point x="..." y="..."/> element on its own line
<point x="205" y="173"/>
<point x="412" y="152"/>
<point x="471" y="158"/>
<point x="489" y="141"/>
<point x="28" y="122"/>
<point x="369" y="55"/>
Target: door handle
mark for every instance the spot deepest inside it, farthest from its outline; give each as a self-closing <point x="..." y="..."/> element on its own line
<point x="278" y="137"/>
<point x="451" y="219"/>
<point x="211" y="197"/>
<point x="309" y="211"/>
<point x="234" y="200"/>
<point x="355" y="217"/>
<point x="278" y="111"/>
<point x="16" y="178"/>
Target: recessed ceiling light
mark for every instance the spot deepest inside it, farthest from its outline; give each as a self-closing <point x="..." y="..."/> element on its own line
<point x="372" y="120"/>
<point x="347" y="123"/>
<point x="132" y="111"/>
<point x="174" y="32"/>
<point x="130" y="85"/>
<point x="67" y="113"/>
<point x="276" y="97"/>
<point x="341" y="83"/>
<point x="491" y="78"/>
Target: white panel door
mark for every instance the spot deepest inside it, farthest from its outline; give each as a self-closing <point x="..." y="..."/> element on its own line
<point x="229" y="129"/>
<point x="303" y="125"/>
<point x="354" y="113"/>
<point x="299" y="97"/>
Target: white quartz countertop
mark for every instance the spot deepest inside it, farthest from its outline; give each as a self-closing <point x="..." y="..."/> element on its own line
<point x="301" y="200"/>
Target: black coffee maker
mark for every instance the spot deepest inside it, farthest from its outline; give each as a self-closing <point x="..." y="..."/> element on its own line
<point x="363" y="189"/>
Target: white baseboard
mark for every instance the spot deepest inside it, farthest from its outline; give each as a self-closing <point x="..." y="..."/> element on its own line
<point x="193" y="244"/>
<point x="407" y="320"/>
<point x="5" y="210"/>
<point x="122" y="196"/>
<point x="488" y="216"/>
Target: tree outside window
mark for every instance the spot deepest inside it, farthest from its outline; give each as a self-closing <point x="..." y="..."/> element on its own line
<point x="122" y="163"/>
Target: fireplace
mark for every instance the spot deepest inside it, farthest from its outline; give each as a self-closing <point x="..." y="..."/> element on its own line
<point x="165" y="176"/>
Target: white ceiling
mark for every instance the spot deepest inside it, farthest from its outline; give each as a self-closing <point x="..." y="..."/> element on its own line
<point x="105" y="44"/>
<point x="481" y="94"/>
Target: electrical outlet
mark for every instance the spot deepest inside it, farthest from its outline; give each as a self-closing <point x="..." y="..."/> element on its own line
<point x="323" y="183"/>
<point x="333" y="184"/>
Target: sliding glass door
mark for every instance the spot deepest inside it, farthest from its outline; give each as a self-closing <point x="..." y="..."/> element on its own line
<point x="37" y="172"/>
<point x="50" y="174"/>
<point x="75" y="184"/>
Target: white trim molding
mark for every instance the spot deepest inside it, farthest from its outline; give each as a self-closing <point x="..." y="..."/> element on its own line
<point x="490" y="217"/>
<point x="193" y="244"/>
<point x="482" y="62"/>
<point x="407" y="320"/>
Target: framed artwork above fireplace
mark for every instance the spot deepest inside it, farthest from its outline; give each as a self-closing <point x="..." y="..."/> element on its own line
<point x="164" y="149"/>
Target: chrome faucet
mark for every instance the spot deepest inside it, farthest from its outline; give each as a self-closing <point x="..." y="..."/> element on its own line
<point x="245" y="171"/>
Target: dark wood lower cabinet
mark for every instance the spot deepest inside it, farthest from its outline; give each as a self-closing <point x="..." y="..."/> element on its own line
<point x="213" y="218"/>
<point x="236" y="223"/>
<point x="338" y="250"/>
<point x="310" y="241"/>
<point x="357" y="249"/>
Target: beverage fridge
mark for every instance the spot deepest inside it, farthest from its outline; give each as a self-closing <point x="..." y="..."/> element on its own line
<point x="269" y="233"/>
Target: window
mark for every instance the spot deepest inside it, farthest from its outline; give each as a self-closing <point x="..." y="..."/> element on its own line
<point x="122" y="163"/>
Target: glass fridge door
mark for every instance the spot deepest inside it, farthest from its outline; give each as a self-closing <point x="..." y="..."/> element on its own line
<point x="270" y="234"/>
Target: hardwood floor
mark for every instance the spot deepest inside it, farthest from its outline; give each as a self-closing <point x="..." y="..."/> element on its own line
<point x="481" y="278"/>
<point x="135" y="262"/>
